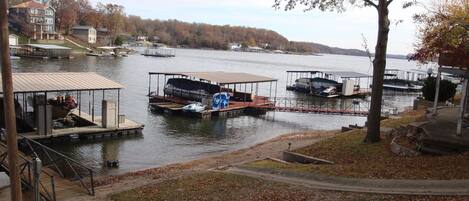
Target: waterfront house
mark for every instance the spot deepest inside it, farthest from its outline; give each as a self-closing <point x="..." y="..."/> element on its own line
<point x="103" y="37"/>
<point x="85" y="33"/>
<point x="13" y="39"/>
<point x="35" y="18"/>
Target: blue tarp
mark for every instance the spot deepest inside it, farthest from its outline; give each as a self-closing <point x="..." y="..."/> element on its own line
<point x="220" y="101"/>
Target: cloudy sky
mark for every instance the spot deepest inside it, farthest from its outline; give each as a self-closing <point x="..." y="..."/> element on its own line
<point x="330" y="28"/>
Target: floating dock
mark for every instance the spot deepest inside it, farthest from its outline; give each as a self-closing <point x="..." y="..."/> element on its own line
<point x="43" y="114"/>
<point x="243" y="89"/>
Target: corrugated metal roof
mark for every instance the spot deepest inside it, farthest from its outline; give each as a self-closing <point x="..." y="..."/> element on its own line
<point x="342" y="74"/>
<point x="82" y="27"/>
<point x="50" y="82"/>
<point x="49" y="47"/>
<point x="347" y="74"/>
<point x="221" y="77"/>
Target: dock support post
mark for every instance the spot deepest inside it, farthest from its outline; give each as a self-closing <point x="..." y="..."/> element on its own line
<point x="462" y="107"/>
<point x="270" y="90"/>
<point x="92" y="111"/>
<point x="275" y="96"/>
<point x="79" y="102"/>
<point x="45" y="113"/>
<point x="437" y="92"/>
<point x="149" y="84"/>
<point x="118" y="106"/>
<point x="158" y="84"/>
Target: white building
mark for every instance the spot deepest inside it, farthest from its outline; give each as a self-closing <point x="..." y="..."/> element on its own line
<point x="85" y="33"/>
<point x="13" y="39"/>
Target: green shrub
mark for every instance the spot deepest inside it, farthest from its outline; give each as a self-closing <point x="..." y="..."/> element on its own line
<point x="447" y="89"/>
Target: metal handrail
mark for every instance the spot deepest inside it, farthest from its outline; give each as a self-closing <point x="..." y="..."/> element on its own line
<point x="26" y="178"/>
<point x="69" y="163"/>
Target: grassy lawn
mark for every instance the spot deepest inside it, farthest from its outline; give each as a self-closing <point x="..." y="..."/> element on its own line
<point x="354" y="159"/>
<point x="222" y="186"/>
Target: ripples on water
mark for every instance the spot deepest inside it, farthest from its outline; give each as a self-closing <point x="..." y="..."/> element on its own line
<point x="170" y="139"/>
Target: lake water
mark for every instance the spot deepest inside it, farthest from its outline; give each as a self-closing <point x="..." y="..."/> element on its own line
<point x="170" y="139"/>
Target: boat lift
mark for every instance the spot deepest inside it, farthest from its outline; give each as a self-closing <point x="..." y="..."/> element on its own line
<point x="359" y="79"/>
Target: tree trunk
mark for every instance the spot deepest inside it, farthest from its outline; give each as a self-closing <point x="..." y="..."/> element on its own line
<point x="379" y="65"/>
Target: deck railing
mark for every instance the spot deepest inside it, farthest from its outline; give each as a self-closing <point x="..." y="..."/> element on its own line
<point x="46" y="183"/>
<point x="65" y="166"/>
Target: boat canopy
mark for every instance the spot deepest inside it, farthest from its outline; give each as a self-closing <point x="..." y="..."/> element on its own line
<point x="56" y="82"/>
<point x="342" y="74"/>
<point x="221" y="77"/>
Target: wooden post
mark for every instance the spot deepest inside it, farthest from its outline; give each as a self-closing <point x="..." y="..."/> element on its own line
<point x="437" y="92"/>
<point x="9" y="105"/>
<point x="462" y="108"/>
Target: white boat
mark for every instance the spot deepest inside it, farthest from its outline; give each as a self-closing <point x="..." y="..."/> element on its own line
<point x="194" y="107"/>
<point x="330" y="92"/>
<point x="14" y="58"/>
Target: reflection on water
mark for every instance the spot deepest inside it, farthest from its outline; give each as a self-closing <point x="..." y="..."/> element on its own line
<point x="169" y="139"/>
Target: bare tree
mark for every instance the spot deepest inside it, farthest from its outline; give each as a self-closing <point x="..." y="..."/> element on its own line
<point x="379" y="62"/>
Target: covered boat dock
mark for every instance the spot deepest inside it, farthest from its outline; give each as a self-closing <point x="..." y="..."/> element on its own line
<point x="43" y="51"/>
<point x="354" y="79"/>
<point x="65" y="105"/>
<point x="246" y="94"/>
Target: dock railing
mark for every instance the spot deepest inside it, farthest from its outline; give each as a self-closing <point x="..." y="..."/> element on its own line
<point x="46" y="182"/>
<point x="308" y="105"/>
<point x="65" y="166"/>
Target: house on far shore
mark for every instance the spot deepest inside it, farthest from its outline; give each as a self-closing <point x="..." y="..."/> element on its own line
<point x="36" y="18"/>
<point x="103" y="37"/>
<point x="13" y="39"/>
<point x="85" y="33"/>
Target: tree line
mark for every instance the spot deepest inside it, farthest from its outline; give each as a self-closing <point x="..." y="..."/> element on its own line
<point x="172" y="32"/>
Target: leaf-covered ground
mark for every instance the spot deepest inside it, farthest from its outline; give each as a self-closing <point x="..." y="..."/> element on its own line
<point x="223" y="186"/>
<point x="354" y="159"/>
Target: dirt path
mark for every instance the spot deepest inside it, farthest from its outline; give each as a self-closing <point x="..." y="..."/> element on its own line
<point x="379" y="186"/>
<point x="271" y="148"/>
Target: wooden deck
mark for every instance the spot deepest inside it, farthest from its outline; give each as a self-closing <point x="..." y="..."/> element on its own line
<point x="173" y="105"/>
<point x="126" y="128"/>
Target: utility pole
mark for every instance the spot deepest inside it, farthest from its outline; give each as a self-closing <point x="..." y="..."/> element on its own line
<point x="9" y="105"/>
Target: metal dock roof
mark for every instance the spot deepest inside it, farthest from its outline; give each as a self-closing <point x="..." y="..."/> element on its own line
<point x="342" y="74"/>
<point x="49" y="47"/>
<point x="55" y="82"/>
<point x="221" y="77"/>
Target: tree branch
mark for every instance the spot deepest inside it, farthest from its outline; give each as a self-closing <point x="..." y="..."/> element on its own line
<point x="372" y="3"/>
<point x="389" y="2"/>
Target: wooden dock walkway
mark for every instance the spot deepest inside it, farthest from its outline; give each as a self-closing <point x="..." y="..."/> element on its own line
<point x="128" y="127"/>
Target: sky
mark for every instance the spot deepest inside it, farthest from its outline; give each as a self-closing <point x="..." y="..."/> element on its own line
<point x="345" y="30"/>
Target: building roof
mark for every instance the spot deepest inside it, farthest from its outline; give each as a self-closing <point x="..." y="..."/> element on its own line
<point x="49" y="47"/>
<point x="30" y="4"/>
<point x="55" y="82"/>
<point x="83" y="27"/>
<point x="221" y="77"/>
